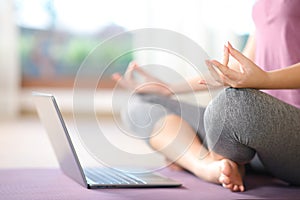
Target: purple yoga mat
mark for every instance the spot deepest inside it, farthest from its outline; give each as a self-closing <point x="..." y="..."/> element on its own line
<point x="46" y="184"/>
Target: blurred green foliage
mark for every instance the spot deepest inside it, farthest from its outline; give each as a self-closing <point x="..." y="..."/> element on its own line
<point x="65" y="53"/>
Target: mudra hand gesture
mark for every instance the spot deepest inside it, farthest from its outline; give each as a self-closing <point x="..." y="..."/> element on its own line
<point x="149" y="85"/>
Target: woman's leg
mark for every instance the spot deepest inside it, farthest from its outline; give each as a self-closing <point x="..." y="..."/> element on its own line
<point x="143" y="111"/>
<point x="177" y="140"/>
<point x="242" y="122"/>
<point x="171" y="130"/>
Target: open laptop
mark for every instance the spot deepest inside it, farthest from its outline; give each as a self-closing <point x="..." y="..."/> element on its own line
<point x="100" y="177"/>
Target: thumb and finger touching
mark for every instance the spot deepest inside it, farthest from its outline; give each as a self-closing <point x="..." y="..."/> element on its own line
<point x="222" y="72"/>
<point x="150" y="84"/>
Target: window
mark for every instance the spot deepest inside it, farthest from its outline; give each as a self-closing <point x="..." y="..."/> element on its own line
<point x="57" y="35"/>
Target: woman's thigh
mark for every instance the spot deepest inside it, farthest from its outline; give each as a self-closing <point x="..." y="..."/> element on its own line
<point x="242" y="122"/>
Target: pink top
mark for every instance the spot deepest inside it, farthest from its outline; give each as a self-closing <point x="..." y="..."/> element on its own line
<point x="278" y="40"/>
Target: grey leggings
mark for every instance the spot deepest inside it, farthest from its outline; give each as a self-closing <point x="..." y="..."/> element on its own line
<point x="237" y="124"/>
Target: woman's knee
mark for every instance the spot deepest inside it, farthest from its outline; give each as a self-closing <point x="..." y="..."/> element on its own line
<point x="139" y="116"/>
<point x="233" y="106"/>
<point x="224" y="122"/>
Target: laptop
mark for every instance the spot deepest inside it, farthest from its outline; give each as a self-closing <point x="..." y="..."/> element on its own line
<point x="96" y="177"/>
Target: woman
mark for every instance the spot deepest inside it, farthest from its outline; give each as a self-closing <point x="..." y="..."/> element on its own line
<point x="253" y="122"/>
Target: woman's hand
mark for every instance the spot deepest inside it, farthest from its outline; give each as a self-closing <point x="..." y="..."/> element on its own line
<point x="248" y="75"/>
<point x="150" y="84"/>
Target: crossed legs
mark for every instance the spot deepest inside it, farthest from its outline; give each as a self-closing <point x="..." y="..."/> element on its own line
<point x="234" y="126"/>
<point x="177" y="140"/>
<point x="170" y="127"/>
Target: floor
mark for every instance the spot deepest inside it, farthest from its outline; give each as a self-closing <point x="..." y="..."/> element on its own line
<point x="24" y="144"/>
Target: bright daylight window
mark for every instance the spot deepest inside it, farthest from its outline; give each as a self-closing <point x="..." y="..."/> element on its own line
<point x="56" y="35"/>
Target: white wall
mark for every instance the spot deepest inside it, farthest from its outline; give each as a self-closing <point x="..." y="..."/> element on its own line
<point x="9" y="62"/>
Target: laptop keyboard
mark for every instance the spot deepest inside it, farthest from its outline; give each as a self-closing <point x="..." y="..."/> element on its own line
<point x="111" y="176"/>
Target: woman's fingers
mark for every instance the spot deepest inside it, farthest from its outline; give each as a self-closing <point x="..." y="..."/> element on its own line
<point x="216" y="79"/>
<point x="212" y="71"/>
<point x="248" y="75"/>
<point x="225" y="56"/>
<point x="145" y="74"/>
<point x="116" y="76"/>
<point x="151" y="85"/>
<point x="133" y="67"/>
<point x="237" y="55"/>
<point x="123" y="82"/>
<point x="243" y="60"/>
<point x="129" y="72"/>
<point x="224" y="76"/>
<point x="226" y="71"/>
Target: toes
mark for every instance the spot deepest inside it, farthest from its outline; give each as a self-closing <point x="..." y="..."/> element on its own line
<point x="224" y="179"/>
<point x="230" y="176"/>
<point x="242" y="188"/>
<point x="227" y="186"/>
<point x="235" y="188"/>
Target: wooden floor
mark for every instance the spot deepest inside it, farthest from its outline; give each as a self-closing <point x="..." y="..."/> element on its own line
<point x="24" y="144"/>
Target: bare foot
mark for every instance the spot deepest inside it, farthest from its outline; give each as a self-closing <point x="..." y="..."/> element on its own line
<point x="223" y="171"/>
<point x="232" y="176"/>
